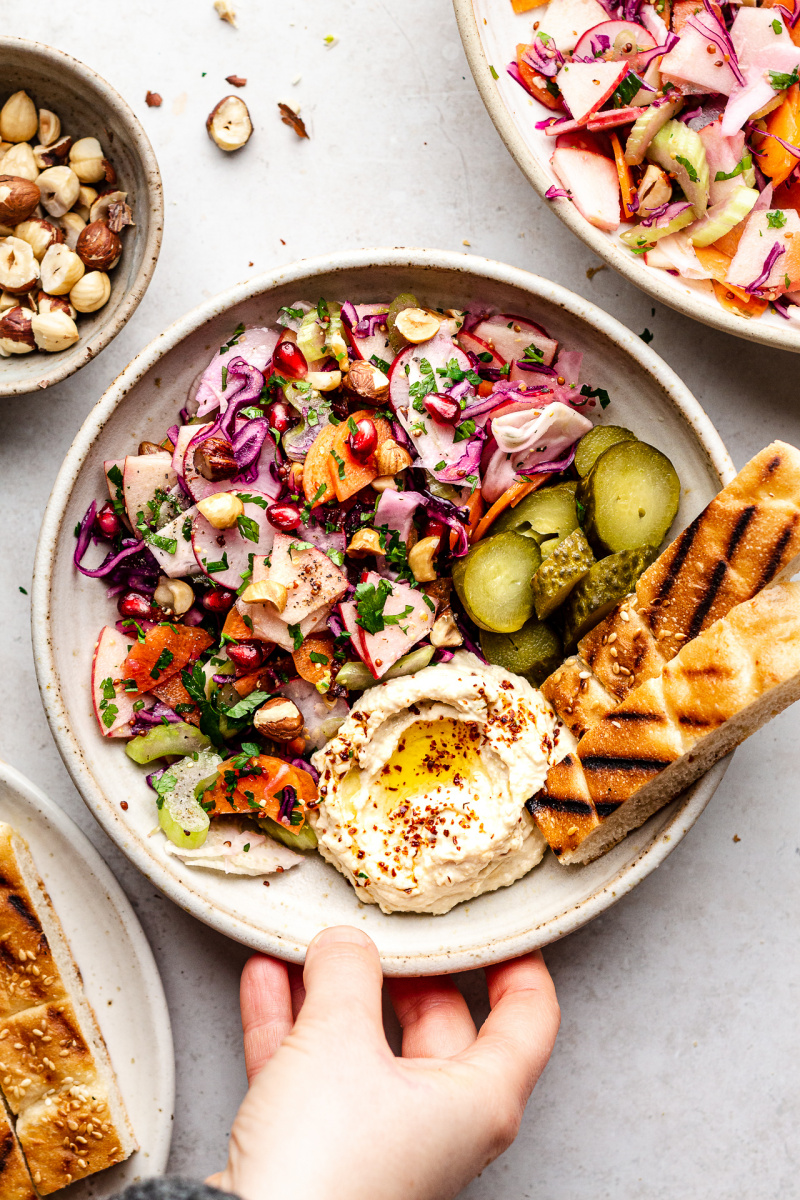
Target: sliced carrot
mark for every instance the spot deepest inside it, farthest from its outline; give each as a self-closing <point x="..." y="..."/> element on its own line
<point x="235" y="627"/>
<point x="485" y="388"/>
<point x="787" y="195"/>
<point x="347" y="473"/>
<point x="531" y="79"/>
<point x="523" y="6"/>
<point x="509" y="499"/>
<point x="165" y="651"/>
<point x="246" y="684"/>
<point x="315" y="467"/>
<point x="794" y="31"/>
<point x="731" y="302"/>
<point x="681" y="11"/>
<point x="173" y="693"/>
<point x="729" y="242"/>
<point x="314" y="670"/>
<point x="784" y="122"/>
<point x="254" y="788"/>
<point x="625" y="178"/>
<point x="717" y="263"/>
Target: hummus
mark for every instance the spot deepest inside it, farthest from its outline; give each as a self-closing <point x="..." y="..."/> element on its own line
<point x="422" y="791"/>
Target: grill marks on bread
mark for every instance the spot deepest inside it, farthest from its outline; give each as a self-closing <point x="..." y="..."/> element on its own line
<point x="15" y="1181"/>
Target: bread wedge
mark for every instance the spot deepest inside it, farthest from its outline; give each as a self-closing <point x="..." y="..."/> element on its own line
<point x="720" y="687"/>
<point x="55" y="1071"/>
<point x="747" y="538"/>
<point x="15" y="1180"/>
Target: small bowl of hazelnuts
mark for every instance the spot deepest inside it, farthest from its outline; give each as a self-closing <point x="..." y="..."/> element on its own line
<point x="81" y="215"/>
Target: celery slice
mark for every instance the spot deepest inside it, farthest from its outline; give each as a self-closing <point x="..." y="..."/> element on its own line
<point x="178" y="738"/>
<point x="679" y="150"/>
<point x="306" y="839"/>
<point x="722" y="217"/>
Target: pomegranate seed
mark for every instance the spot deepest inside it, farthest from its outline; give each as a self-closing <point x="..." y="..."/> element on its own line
<point x="280" y="416"/>
<point x="218" y="600"/>
<point x="107" y="521"/>
<point x="365" y="439"/>
<point x="134" y="604"/>
<point x="434" y="529"/>
<point x="284" y="516"/>
<point x="290" y="361"/>
<point x="442" y="409"/>
<point x="248" y="656"/>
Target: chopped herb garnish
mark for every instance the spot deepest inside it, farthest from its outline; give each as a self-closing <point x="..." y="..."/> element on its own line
<point x="780" y="81"/>
<point x="380" y="363"/>
<point x="316" y="657"/>
<point x="336" y="557"/>
<point x="296" y="314"/>
<point x="494" y="73"/>
<point x="340" y="464"/>
<point x="777" y="28"/>
<point x="296" y="635"/>
<point x="246" y="498"/>
<point x="234" y="338"/>
<point x="465" y="430"/>
<point x="161" y="664"/>
<point x="600" y="393"/>
<point x="688" y="167"/>
<point x="454" y="372"/>
<point x="244" y="707"/>
<point x="110" y="715"/>
<point x="224" y="378"/>
<point x="186" y="529"/>
<point x="532" y="353"/>
<point x="743" y="165"/>
<point x="214" y="567"/>
<point x="646" y="336"/>
<point x="776" y="219"/>
<point x="169" y="545"/>
<point x="248" y="528"/>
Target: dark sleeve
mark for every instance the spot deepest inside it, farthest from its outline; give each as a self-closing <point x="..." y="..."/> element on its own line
<point x="172" y="1189"/>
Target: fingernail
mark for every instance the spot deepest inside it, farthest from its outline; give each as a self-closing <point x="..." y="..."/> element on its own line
<point x="340" y="933"/>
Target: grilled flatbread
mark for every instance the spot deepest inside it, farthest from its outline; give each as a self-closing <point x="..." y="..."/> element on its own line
<point x="721" y="686"/>
<point x="747" y="538"/>
<point x="55" y="1072"/>
<point x="15" y="1180"/>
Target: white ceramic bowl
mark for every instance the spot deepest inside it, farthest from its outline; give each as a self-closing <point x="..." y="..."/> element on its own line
<point x="69" y="609"/>
<point x="490" y="31"/>
<point x="88" y="106"/>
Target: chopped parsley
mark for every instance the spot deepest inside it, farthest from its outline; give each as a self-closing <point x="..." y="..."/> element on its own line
<point x="170" y="545"/>
<point x="777" y="28"/>
<point x="776" y="219"/>
<point x="224" y="378"/>
<point x="370" y="605"/>
<point x="296" y="314"/>
<point x="248" y="528"/>
<point x="600" y="393"/>
<point x="246" y="498"/>
<point x="743" y="165"/>
<point x="646" y="336"/>
<point x="161" y="663"/>
<point x="296" y="635"/>
<point x="780" y="81"/>
<point x="107" y="688"/>
<point x="532" y="353"/>
<point x="214" y="567"/>
<point x="336" y="557"/>
<point x="425" y="385"/>
<point x="494" y="73"/>
<point x="465" y="430"/>
<point x="248" y="705"/>
<point x="454" y="372"/>
<point x="305" y="512"/>
<point x="316" y="657"/>
<point x="688" y="167"/>
<point x="186" y="529"/>
<point x="109" y="715"/>
<point x="380" y="363"/>
<point x="115" y="477"/>
<point x="340" y="465"/>
<point x="234" y="338"/>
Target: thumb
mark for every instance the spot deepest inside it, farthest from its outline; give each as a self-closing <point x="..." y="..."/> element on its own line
<point x="343" y="980"/>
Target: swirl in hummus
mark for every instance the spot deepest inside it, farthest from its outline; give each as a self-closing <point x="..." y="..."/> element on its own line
<point x="422" y="790"/>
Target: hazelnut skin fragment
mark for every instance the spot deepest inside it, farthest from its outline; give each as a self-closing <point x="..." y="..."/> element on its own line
<point x="153" y="100"/>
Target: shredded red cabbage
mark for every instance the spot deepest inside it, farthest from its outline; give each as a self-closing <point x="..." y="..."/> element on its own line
<point x="305" y="766"/>
<point x="556" y="193"/>
<point x="455" y="518"/>
<point x="288" y="801"/>
<point x="514" y="71"/>
<point x="550" y="468"/>
<point x="543" y="57"/>
<point x="249" y="442"/>
<point x="665" y="213"/>
<point x="349" y="314"/>
<point x="775" y="252"/>
<point x="366" y="326"/>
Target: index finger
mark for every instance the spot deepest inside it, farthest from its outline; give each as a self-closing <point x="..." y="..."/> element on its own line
<point x="517" y="1037"/>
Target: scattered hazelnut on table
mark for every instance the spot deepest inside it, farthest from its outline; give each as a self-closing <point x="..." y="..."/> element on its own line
<point x="229" y="125"/>
<point x="235" y="80"/>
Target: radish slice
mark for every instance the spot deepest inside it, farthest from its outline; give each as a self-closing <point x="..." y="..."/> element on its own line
<point x="309" y="576"/>
<point x="142" y="476"/>
<point x="609" y="36"/>
<point x="614" y="118"/>
<point x="566" y="21"/>
<point x="377" y="345"/>
<point x="226" y="550"/>
<point x="199" y="487"/>
<point x="269" y="627"/>
<point x="114" y="712"/>
<point x="415" y="619"/>
<point x="182" y="561"/>
<point x="349" y="613"/>
<point x="754" y="248"/>
<point x="593" y="181"/>
<point x="689" y="60"/>
<point x="586" y="86"/>
<point x="472" y="344"/>
<point x="509" y="337"/>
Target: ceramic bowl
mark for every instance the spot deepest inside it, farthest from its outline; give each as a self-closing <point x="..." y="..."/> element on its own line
<point x="490" y="31"/>
<point x="69" y="610"/>
<point x="88" y="106"/>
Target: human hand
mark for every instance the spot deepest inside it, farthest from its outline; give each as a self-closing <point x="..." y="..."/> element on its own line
<point x="331" y="1111"/>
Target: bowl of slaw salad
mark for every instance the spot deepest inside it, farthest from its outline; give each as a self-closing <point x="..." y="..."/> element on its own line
<point x="175" y="392"/>
<point x="666" y="135"/>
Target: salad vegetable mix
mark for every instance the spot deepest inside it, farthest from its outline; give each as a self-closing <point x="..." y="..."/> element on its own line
<point x="346" y="498"/>
<point x="678" y="122"/>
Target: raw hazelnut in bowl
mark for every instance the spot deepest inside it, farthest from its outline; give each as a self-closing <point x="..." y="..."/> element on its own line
<point x="81" y="215"/>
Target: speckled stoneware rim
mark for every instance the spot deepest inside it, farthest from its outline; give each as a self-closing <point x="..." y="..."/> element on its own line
<point x="148" y="215"/>
<point x="159" y="1087"/>
<point x="417" y="262"/>
<point x="785" y="336"/>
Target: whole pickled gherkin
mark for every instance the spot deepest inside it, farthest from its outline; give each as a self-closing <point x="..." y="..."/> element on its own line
<point x="630" y="498"/>
<point x="559" y="573"/>
<point x="548" y="516"/>
<point x="596" y="442"/>
<point x="534" y="651"/>
<point x="603" y="585"/>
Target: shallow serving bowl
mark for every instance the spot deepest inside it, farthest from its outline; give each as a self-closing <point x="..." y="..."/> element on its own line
<point x="69" y="609"/>
<point x="490" y="31"/>
<point x="88" y="106"/>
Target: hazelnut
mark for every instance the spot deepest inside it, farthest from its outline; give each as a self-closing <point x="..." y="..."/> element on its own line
<point x="98" y="247"/>
<point x="19" y="269"/>
<point x="173" y="595"/>
<point x="16" y="336"/>
<point x="90" y="292"/>
<point x="21" y="161"/>
<point x="86" y="198"/>
<point x="421" y="558"/>
<point x="39" y="234"/>
<point x="279" y="719"/>
<point x="59" y="187"/>
<point x="225" y="11"/>
<point x="365" y="542"/>
<point x="324" y="381"/>
<point x="8" y="301"/>
<point x="109" y="174"/>
<point x="18" y="199"/>
<point x="72" y="225"/>
<point x="150" y="448"/>
<point x="49" y="127"/>
<point x="86" y="160"/>
<point x="52" y="156"/>
<point x="229" y="125"/>
<point x="417" y="325"/>
<point x="445" y="632"/>
<point x="61" y="270"/>
<point x="384" y="483"/>
<point x="47" y="304"/>
<point x="222" y="510"/>
<point x="654" y="190"/>
<point x="214" y="460"/>
<point x="101" y="210"/>
<point x="367" y="381"/>
<point x="266" y="591"/>
<point x="391" y="458"/>
<point x="4" y="148"/>
<point x="18" y="118"/>
<point x="54" y="331"/>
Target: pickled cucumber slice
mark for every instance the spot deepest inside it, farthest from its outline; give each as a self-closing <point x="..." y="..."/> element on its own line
<point x="595" y="442"/>
<point x="630" y="498"/>
<point x="559" y="573"/>
<point x="306" y="839"/>
<point x="457" y="572"/>
<point x="604" y="584"/>
<point x="404" y="300"/>
<point x="497" y="581"/>
<point x="534" y="651"/>
<point x="551" y="513"/>
<point x="679" y="150"/>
